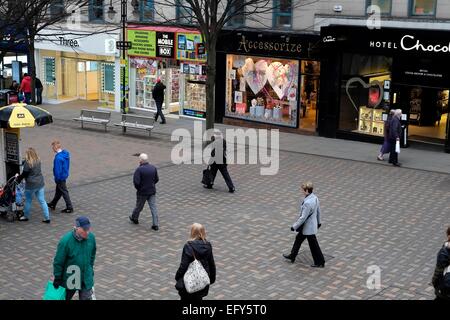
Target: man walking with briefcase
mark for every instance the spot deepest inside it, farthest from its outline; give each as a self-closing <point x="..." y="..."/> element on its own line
<point x="307" y="226"/>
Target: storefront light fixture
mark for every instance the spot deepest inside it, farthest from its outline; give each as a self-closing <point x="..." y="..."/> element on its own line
<point x="111" y="11"/>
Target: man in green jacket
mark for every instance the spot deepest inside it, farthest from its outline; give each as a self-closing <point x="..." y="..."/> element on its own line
<point x="73" y="266"/>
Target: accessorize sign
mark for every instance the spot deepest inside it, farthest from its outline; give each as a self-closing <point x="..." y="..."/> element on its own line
<point x="267" y="44"/>
<point x="165" y="44"/>
<point x="143" y="43"/>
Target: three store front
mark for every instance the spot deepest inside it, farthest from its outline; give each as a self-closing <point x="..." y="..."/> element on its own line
<point x="364" y="73"/>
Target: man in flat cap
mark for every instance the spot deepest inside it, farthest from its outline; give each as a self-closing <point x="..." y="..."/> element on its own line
<point x="73" y="266"/>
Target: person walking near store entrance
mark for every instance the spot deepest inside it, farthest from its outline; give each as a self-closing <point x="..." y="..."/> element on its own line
<point x="441" y="276"/>
<point x="34" y="184"/>
<point x="158" y="96"/>
<point x="145" y="178"/>
<point x="307" y="226"/>
<point x="39" y="89"/>
<point x="61" y="167"/>
<point x="219" y="163"/>
<point x="385" y="148"/>
<point x="395" y="132"/>
<point x="25" y="87"/>
<point x="73" y="265"/>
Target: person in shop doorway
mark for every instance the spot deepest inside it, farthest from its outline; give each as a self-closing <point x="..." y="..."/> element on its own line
<point x="75" y="254"/>
<point x="441" y="276"/>
<point x="219" y="163"/>
<point x="25" y="87"/>
<point x="34" y="185"/>
<point x="145" y="178"/>
<point x="61" y="167"/>
<point x="307" y="226"/>
<point x="385" y="148"/>
<point x="39" y="89"/>
<point x="158" y="96"/>
<point x="395" y="132"/>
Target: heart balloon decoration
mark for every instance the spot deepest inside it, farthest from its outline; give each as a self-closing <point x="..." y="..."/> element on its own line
<point x="255" y="74"/>
<point x="280" y="78"/>
<point x="366" y="86"/>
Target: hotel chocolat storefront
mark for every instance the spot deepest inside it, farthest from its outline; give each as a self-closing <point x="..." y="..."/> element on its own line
<point x="267" y="80"/>
<point x="364" y="73"/>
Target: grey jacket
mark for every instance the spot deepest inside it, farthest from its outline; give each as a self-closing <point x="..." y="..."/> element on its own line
<point x="309" y="215"/>
<point x="32" y="175"/>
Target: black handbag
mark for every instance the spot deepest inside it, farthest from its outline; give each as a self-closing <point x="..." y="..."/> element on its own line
<point x="207" y="176"/>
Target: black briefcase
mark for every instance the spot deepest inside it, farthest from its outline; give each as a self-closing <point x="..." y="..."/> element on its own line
<point x="207" y="177"/>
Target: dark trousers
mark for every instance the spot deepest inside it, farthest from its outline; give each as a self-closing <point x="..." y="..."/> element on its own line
<point x="39" y="95"/>
<point x="82" y="294"/>
<point x="313" y="246"/>
<point x="224" y="171"/>
<point x="61" y="190"/>
<point x="393" y="156"/>
<point x="27" y="96"/>
<point x="159" y="111"/>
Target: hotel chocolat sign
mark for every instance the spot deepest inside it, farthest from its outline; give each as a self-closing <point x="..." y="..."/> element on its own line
<point x="165" y="44"/>
<point x="412" y="43"/>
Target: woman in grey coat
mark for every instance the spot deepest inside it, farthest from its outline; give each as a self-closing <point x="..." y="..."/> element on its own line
<point x="307" y="226"/>
<point x="34" y="184"/>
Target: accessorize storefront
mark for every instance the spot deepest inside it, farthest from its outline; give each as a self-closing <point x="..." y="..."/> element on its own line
<point x="267" y="78"/>
<point x="177" y="56"/>
<point x="365" y="73"/>
<point x="78" y="65"/>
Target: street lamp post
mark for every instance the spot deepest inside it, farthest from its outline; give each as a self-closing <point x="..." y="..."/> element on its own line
<point x="123" y="12"/>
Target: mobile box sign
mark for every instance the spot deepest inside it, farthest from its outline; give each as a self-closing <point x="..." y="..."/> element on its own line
<point x="165" y="44"/>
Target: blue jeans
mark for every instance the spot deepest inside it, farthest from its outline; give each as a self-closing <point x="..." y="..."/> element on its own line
<point x="140" y="202"/>
<point x="39" y="193"/>
<point x="27" y="97"/>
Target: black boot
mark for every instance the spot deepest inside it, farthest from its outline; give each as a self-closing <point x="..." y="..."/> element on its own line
<point x="289" y="257"/>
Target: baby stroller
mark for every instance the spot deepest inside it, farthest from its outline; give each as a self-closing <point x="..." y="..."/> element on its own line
<point x="12" y="199"/>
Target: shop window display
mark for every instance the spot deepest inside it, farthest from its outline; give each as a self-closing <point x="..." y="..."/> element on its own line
<point x="262" y="89"/>
<point x="365" y="93"/>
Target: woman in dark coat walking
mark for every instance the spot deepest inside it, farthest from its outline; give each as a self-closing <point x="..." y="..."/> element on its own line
<point x="203" y="252"/>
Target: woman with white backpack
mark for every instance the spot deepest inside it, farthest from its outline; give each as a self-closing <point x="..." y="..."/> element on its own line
<point x="197" y="268"/>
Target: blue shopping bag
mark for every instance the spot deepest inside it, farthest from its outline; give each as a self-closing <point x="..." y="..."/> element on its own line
<point x="54" y="294"/>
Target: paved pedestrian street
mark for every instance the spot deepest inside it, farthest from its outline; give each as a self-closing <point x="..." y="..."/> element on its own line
<point x="372" y="214"/>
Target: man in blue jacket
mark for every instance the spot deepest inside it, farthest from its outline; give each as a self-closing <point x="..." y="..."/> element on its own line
<point x="61" y="166"/>
<point x="144" y="179"/>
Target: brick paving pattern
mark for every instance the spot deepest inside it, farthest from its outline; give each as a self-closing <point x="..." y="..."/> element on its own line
<point x="372" y="215"/>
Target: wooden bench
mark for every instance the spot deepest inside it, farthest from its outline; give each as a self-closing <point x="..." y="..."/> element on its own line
<point x="136" y="122"/>
<point x="95" y="117"/>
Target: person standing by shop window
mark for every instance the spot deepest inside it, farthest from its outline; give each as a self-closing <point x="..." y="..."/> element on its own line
<point x="395" y="132"/>
<point x="25" y="87"/>
<point x="307" y="226"/>
<point x="385" y="148"/>
<point x="39" y="89"/>
<point x="441" y="286"/>
<point x="158" y="96"/>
